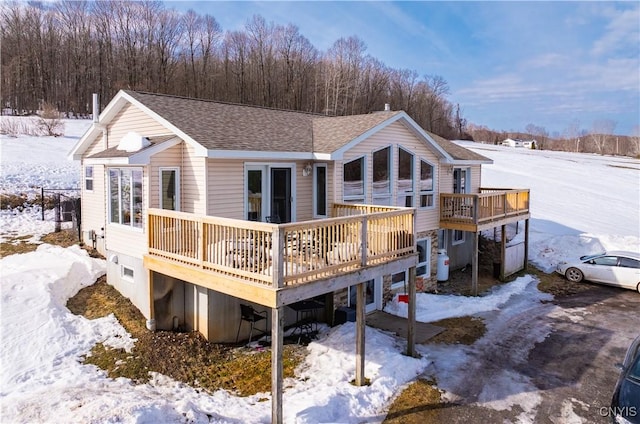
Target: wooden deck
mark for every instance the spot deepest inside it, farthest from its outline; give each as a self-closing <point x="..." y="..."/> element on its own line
<point x="278" y="264"/>
<point x="489" y="208"/>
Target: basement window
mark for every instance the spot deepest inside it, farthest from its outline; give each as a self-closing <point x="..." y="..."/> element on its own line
<point x="127" y="273"/>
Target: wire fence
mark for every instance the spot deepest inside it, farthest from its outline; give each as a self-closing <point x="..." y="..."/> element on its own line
<point x="65" y="205"/>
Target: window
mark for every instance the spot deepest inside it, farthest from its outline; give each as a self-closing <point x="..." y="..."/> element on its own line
<point x="320" y="189"/>
<point x="424" y="254"/>
<point x="381" y="190"/>
<point x="127" y="273"/>
<point x="629" y="263"/>
<point x="125" y="194"/>
<point x="405" y="178"/>
<point x="426" y="184"/>
<point x="88" y="178"/>
<point x="458" y="237"/>
<point x="442" y="239"/>
<point x="170" y="188"/>
<point x="399" y="280"/>
<point x="353" y="181"/>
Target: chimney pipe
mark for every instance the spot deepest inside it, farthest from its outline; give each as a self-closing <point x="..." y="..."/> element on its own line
<point x="387" y="107"/>
<point x="96" y="107"/>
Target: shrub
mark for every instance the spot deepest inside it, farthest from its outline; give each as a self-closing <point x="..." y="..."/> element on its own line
<point x="50" y="121"/>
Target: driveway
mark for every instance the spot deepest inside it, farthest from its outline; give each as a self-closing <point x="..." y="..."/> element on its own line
<point x="551" y="361"/>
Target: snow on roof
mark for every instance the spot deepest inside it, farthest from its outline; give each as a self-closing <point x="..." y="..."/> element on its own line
<point x="133" y="142"/>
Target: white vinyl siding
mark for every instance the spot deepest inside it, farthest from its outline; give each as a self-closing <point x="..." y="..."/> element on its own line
<point x="130" y="118"/>
<point x="396" y="134"/>
<point x="193" y="178"/>
<point x="225" y="188"/>
<point x="94" y="202"/>
<point x="170" y="158"/>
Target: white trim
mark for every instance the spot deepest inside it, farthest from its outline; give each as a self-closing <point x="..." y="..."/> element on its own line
<point x="140" y="158"/>
<point x="402" y="284"/>
<point x="339" y="153"/>
<point x="108" y="195"/>
<point x="389" y="195"/>
<point x="315" y="191"/>
<point x="265" y="168"/>
<point x="111" y="110"/>
<point x="126" y="277"/>
<point x="455" y="242"/>
<point x="363" y="196"/>
<point x="176" y="169"/>
<point x="92" y="178"/>
<point x="265" y="155"/>
<point x="432" y="192"/>
<point x="377" y="296"/>
<point x="427" y="256"/>
<point x="413" y="178"/>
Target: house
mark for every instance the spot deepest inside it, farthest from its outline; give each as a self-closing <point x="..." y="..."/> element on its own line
<point x="201" y="206"/>
<point x="527" y="144"/>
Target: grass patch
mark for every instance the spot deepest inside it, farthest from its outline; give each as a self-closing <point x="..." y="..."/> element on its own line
<point x="419" y="403"/>
<point x="463" y="330"/>
<point x="185" y="357"/>
<point x="556" y="284"/>
<point x="16" y="245"/>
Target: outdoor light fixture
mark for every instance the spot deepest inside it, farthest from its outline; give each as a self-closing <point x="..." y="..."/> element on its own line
<point x="306" y="171"/>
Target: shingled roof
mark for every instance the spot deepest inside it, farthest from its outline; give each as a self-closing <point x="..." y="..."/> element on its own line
<point x="228" y="126"/>
<point x="458" y="152"/>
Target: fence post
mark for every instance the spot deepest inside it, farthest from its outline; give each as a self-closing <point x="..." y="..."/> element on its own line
<point x="42" y="201"/>
<point x="57" y="211"/>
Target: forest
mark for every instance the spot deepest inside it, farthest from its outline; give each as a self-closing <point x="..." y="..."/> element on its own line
<point x="61" y="52"/>
<point x="56" y="54"/>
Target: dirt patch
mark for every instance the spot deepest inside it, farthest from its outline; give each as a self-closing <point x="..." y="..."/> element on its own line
<point x="186" y="357"/>
<point x="463" y="330"/>
<point x="419" y="400"/>
<point x="17" y="245"/>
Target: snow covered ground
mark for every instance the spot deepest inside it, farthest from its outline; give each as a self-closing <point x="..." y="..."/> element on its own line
<point x="580" y="204"/>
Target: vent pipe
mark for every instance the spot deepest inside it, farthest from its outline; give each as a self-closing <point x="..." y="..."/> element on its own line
<point x="96" y="107"/>
<point x="387" y="107"/>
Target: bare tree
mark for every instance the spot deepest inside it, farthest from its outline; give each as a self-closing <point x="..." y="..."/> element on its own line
<point x="50" y="122"/>
<point x="600" y="131"/>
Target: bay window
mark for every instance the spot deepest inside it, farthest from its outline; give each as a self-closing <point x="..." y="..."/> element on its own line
<point x="426" y="184"/>
<point x="125" y="194"/>
<point x="405" y="178"/>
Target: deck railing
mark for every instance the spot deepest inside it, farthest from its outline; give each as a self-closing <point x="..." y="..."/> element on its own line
<point x="283" y="254"/>
<point x="491" y="204"/>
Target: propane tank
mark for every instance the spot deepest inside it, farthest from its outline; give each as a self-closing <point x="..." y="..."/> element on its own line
<point x="443" y="265"/>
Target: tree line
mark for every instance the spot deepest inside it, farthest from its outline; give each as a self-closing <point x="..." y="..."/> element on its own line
<point x="599" y="138"/>
<point x="62" y="52"/>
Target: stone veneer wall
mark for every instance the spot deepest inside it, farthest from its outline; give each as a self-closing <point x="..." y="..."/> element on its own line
<point x="428" y="285"/>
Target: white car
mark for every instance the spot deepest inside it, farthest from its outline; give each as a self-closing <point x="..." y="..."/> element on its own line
<point x="616" y="268"/>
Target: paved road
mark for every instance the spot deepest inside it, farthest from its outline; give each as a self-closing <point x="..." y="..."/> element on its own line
<point x="554" y="363"/>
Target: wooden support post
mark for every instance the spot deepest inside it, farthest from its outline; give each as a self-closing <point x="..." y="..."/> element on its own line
<point x="526" y="243"/>
<point x="151" y="322"/>
<point x="474" y="265"/>
<point x="411" y="318"/>
<point x="277" y="373"/>
<point x="360" y="329"/>
<point x="503" y="251"/>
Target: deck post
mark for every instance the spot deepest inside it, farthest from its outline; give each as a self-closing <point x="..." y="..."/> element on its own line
<point x="151" y="322"/>
<point x="411" y="314"/>
<point x="278" y="249"/>
<point x="360" y="330"/>
<point x="503" y="251"/>
<point x="363" y="241"/>
<point x="277" y="340"/>
<point x="474" y="265"/>
<point x="526" y="243"/>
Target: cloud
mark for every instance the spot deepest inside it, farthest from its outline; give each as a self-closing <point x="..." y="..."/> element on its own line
<point x="622" y="33"/>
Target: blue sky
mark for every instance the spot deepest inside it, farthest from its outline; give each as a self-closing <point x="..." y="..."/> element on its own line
<point x="508" y="64"/>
